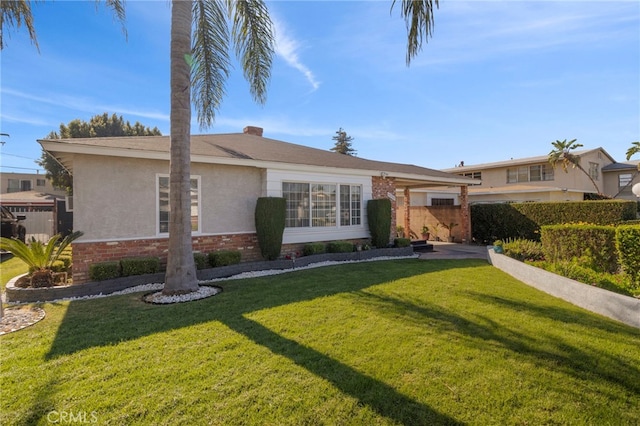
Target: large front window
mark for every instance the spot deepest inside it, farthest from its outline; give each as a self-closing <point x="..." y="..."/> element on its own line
<point x="164" y="210"/>
<point x="316" y="204"/>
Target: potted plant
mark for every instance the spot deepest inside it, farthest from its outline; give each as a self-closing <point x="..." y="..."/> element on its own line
<point x="450" y="227"/>
<point x="425" y="232"/>
<point x="435" y="231"/>
<point x="497" y="246"/>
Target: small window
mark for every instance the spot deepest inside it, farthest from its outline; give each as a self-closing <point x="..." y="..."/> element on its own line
<point x="164" y="207"/>
<point x="41" y="182"/>
<point x="624" y="181"/>
<point x="594" y="171"/>
<point x="442" y="201"/>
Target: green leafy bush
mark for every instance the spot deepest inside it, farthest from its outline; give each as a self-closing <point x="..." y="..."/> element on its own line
<point x="104" y="270"/>
<point x="523" y="220"/>
<point x="201" y="260"/>
<point x="270" y="220"/>
<point x="402" y="242"/>
<point x="628" y="248"/>
<point x="224" y="258"/>
<point x="139" y="266"/>
<point x="593" y="244"/>
<point x="339" y="247"/>
<point x="58" y="266"/>
<point x="313" y="248"/>
<point x="379" y="217"/>
<point x="522" y="250"/>
<point x="66" y="259"/>
<point x="617" y="283"/>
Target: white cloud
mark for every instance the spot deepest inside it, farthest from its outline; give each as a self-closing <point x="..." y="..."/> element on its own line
<point x="84" y="104"/>
<point x="287" y="48"/>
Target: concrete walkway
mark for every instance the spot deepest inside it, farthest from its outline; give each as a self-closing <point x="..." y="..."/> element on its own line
<point x="445" y="250"/>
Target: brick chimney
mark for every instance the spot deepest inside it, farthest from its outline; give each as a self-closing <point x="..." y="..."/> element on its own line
<point x="251" y="130"/>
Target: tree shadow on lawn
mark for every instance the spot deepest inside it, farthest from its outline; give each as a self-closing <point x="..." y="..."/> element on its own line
<point x="544" y="350"/>
<point x="105" y="322"/>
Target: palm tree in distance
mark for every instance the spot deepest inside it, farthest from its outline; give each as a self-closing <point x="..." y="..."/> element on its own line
<point x="201" y="67"/>
<point x="561" y="153"/>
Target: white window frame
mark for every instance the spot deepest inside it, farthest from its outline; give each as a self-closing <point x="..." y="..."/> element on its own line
<point x="199" y="199"/>
<point x="337" y="205"/>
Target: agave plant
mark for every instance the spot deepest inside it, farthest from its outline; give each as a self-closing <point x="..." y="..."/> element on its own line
<point x="38" y="256"/>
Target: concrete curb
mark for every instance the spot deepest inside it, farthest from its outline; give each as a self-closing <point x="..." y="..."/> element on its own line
<point x="612" y="305"/>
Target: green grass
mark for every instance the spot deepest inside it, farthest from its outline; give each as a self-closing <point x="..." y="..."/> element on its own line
<point x="11" y="268"/>
<point x="403" y="342"/>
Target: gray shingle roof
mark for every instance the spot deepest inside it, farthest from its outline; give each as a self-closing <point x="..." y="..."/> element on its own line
<point x="242" y="146"/>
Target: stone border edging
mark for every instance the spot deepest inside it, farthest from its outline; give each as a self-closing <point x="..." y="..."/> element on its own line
<point x="30" y="295"/>
<point x="612" y="305"/>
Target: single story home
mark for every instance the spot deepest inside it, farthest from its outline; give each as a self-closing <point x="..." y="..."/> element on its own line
<point x="121" y="191"/>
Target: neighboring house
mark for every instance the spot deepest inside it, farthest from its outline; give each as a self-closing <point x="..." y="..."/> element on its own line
<point x="46" y="214"/>
<point x="20" y="182"/>
<point x="121" y="193"/>
<point x="619" y="178"/>
<point x="534" y="179"/>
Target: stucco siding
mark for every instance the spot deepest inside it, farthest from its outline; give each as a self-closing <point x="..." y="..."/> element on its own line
<point x="228" y="197"/>
<point x="116" y="198"/>
<point x="103" y="209"/>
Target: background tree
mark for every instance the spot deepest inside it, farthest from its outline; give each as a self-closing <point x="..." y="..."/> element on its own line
<point x="561" y="153"/>
<point x="635" y="149"/>
<point x="101" y="125"/>
<point x="343" y="143"/>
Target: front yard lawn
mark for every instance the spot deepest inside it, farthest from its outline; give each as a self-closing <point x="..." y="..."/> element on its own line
<point x="401" y="342"/>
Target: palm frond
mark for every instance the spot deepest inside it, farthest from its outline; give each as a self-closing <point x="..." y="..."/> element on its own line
<point x="65" y="242"/>
<point x="418" y="17"/>
<point x="210" y="58"/>
<point x="14" y="14"/>
<point x="118" y="9"/>
<point x="635" y="149"/>
<point x="253" y="38"/>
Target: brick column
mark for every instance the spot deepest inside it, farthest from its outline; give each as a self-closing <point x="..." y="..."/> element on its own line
<point x="407" y="212"/>
<point x="465" y="214"/>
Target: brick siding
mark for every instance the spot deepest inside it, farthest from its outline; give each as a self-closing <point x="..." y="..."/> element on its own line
<point x="84" y="254"/>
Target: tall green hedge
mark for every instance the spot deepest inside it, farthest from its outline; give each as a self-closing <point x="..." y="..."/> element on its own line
<point x="628" y="246"/>
<point x="270" y="220"/>
<point x="379" y="217"/>
<point x="592" y="245"/>
<point x="523" y="220"/>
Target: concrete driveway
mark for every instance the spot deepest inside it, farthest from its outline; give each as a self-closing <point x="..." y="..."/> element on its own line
<point x="444" y="250"/>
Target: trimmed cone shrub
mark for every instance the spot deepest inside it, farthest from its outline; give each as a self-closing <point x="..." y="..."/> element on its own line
<point x="270" y="220"/>
<point x="379" y="216"/>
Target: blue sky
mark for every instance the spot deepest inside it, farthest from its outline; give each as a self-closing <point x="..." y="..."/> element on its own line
<point x="498" y="80"/>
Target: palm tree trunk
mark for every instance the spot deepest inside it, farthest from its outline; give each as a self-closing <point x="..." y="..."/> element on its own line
<point x="181" y="270"/>
<point x="595" y="185"/>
